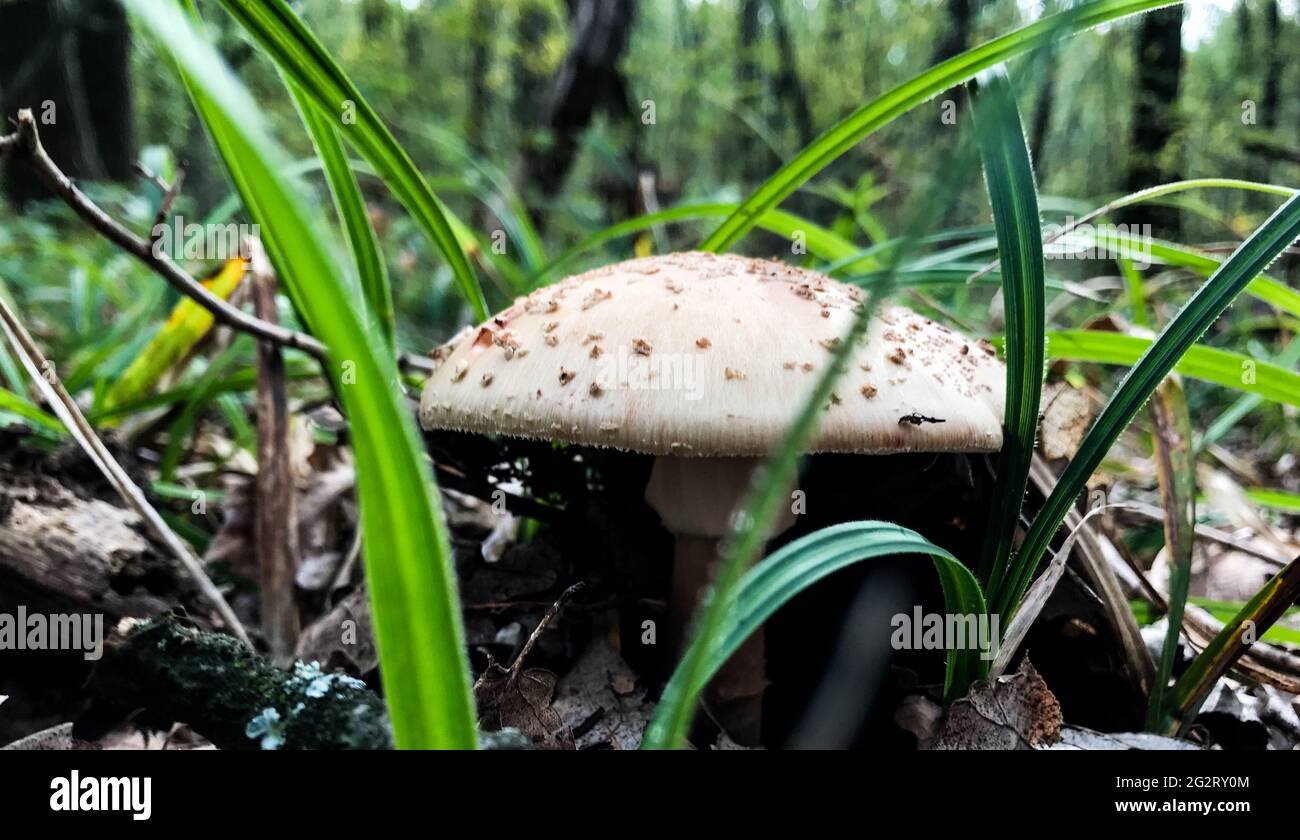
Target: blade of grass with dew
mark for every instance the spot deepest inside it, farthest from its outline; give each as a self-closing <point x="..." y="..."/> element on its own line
<point x="791" y="570"/>
<point x="768" y="483"/>
<point x="1203" y="309"/>
<point x="1254" y="619"/>
<point x="1222" y="367"/>
<point x="883" y="110"/>
<point x="296" y="53"/>
<point x="351" y="210"/>
<point x="187" y="324"/>
<point x="1009" y="179"/>
<point x="407" y="554"/>
<point x="1176" y="475"/>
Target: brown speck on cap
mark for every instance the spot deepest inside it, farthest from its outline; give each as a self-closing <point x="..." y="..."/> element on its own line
<point x="732" y="373"/>
<point x="869" y="391"/>
<point x="987" y="347"/>
<point x="595" y="352"/>
<point x="830" y="343"/>
<point x="566" y="376"/>
<point x="462" y="367"/>
<point x="596" y="296"/>
<point x="641" y="347"/>
<point x="897" y="356"/>
<point x="807" y="367"/>
<point x="551" y="340"/>
<point x="595" y="390"/>
<point x="487" y="379"/>
<point x="788" y="365"/>
<point x="965" y="348"/>
<point x="805" y="291"/>
<point x="550" y="326"/>
<point x="703" y="343"/>
<point x="592" y="337"/>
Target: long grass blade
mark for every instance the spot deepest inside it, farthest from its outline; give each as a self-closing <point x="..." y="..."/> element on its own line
<point x="1009" y="178"/>
<point x="782" y="576"/>
<point x="1176" y="473"/>
<point x="883" y="110"/>
<point x="1211" y="364"/>
<point x="1247" y="626"/>
<point x="351" y="209"/>
<point x="406" y="550"/>
<point x="1210" y="301"/>
<point x="297" y="54"/>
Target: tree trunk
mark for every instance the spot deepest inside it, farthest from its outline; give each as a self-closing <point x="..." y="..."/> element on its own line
<point x="1155" y="123"/>
<point x="75" y="76"/>
<point x="589" y="78"/>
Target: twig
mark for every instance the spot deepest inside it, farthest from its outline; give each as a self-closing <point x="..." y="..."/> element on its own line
<point x="276" y="525"/>
<point x="42" y="373"/>
<point x="26" y="143"/>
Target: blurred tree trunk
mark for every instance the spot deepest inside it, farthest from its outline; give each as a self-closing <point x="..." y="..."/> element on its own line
<point x="1268" y="104"/>
<point x="74" y="73"/>
<point x="480" y="44"/>
<point x="1154" y="130"/>
<point x="751" y="154"/>
<point x="1043" y="115"/>
<point x="588" y="79"/>
<point x="955" y="37"/>
<point x="789" y="90"/>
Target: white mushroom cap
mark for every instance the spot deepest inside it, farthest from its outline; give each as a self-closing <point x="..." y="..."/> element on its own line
<point x="704" y="355"/>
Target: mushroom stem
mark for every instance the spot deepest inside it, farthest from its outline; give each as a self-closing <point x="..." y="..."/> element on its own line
<point x="696" y="498"/>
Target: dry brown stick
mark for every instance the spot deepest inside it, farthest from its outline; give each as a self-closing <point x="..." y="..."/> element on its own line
<point x="43" y="375"/>
<point x="276" y="525"/>
<point x="25" y="144"/>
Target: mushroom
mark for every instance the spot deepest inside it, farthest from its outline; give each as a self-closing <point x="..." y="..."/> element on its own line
<point x="703" y="362"/>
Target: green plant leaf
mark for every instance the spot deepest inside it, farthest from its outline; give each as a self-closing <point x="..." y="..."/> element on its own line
<point x="883" y="110"/>
<point x="1176" y="474"/>
<point x="1250" y="259"/>
<point x="783" y="575"/>
<point x="298" y="55"/>
<point x="407" y="555"/>
<point x="185" y="326"/>
<point x="1222" y="367"/>
<point x="1009" y="178"/>
<point x="351" y="209"/>
<point x="1254" y="619"/>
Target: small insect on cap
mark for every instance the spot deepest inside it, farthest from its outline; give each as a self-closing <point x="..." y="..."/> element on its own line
<point x="698" y="354"/>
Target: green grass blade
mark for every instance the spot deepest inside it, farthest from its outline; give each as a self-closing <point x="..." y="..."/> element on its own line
<point x="1259" y="614"/>
<point x="1009" y="178"/>
<point x="407" y="554"/>
<point x="1176" y="473"/>
<point x="351" y="209"/>
<point x="297" y="53"/>
<point x="1222" y="424"/>
<point x="782" y="576"/>
<point x="1216" y="295"/>
<point x="883" y="110"/>
<point x="1222" y="367"/>
<point x="18" y="406"/>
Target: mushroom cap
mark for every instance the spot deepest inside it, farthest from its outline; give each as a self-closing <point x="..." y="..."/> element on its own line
<point x="697" y="354"/>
